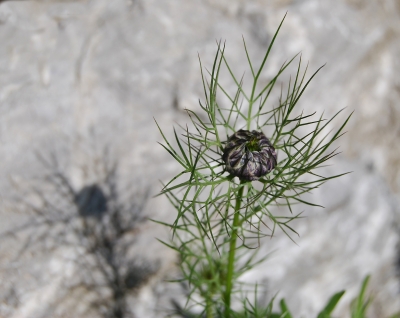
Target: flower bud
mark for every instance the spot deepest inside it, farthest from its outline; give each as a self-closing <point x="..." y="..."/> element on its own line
<point x="249" y="155"/>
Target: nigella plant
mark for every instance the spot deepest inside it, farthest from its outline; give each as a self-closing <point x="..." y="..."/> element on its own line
<point x="238" y="164"/>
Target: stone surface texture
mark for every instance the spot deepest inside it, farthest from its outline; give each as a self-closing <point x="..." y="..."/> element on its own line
<point x="82" y="75"/>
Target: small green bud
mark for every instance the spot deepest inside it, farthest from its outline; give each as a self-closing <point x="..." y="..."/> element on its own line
<point x="249" y="155"/>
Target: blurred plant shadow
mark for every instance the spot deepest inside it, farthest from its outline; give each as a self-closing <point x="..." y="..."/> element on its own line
<point x="95" y="228"/>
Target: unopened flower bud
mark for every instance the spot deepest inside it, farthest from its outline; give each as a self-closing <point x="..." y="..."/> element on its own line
<point x="249" y="155"/>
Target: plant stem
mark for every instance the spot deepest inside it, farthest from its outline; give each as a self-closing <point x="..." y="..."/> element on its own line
<point x="232" y="251"/>
<point x="209" y="311"/>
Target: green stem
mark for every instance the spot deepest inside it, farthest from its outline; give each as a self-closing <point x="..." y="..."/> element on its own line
<point x="209" y="311"/>
<point x="232" y="251"/>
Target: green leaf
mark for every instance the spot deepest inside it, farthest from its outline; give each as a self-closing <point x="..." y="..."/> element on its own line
<point x="326" y="312"/>
<point x="285" y="310"/>
<point x="360" y="305"/>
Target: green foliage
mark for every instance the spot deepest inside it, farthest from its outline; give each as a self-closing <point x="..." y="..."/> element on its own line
<point x="360" y="305"/>
<point x="330" y="306"/>
<point x="325" y="313"/>
<point x="220" y="220"/>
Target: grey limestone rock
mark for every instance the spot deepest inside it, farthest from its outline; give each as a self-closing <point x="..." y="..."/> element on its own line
<point x="80" y="73"/>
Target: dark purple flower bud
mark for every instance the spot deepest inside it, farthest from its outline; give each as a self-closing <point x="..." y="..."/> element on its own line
<point x="249" y="155"/>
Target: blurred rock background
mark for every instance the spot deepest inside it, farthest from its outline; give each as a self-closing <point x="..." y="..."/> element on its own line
<point x="79" y="77"/>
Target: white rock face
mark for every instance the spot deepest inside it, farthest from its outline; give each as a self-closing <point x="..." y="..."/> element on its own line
<point x="76" y="76"/>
